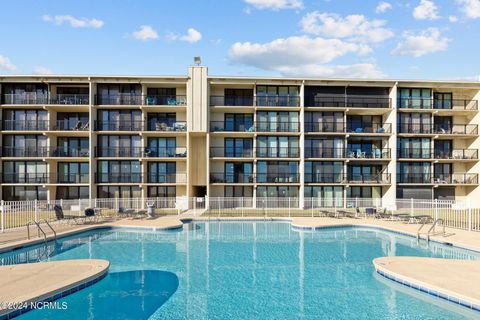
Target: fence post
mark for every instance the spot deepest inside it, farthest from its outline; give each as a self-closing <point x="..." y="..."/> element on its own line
<point x="469" y="216"/>
<point x="436" y="209"/>
<point x="79" y="206"/>
<point x="2" y="212"/>
<point x="35" y="203"/>
<point x="289" y="208"/>
<point x="411" y="206"/>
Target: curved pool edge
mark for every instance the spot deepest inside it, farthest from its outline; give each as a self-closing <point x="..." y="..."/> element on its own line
<point x="427" y="269"/>
<point x="68" y="280"/>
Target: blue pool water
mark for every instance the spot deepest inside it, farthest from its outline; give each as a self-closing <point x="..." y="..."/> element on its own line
<point x="244" y="270"/>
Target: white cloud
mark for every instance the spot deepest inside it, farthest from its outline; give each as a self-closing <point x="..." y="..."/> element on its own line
<point x="145" y="33"/>
<point x="382" y="7"/>
<point x="42" y="70"/>
<point x="303" y="56"/>
<point x="5" y="64"/>
<point x="191" y="36"/>
<point x="275" y="4"/>
<point x="470" y="8"/>
<point x="74" y="22"/>
<point x="453" y="19"/>
<point x="426" y="10"/>
<point x="417" y="45"/>
<point x="352" y="27"/>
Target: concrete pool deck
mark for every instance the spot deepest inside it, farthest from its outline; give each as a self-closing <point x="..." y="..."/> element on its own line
<point x="24" y="284"/>
<point x="465" y="284"/>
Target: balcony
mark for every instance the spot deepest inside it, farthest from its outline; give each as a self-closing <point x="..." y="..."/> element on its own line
<point x="324" y="178"/>
<point x="375" y="178"/>
<point x="25" y="125"/>
<point x="415" y="153"/>
<point x="163" y="126"/>
<point x="330" y="153"/>
<point x="220" y="126"/>
<point x="119" y="178"/>
<point x="327" y="127"/>
<point x="35" y="98"/>
<point x="372" y="128"/>
<point x="231" y="152"/>
<point x="234" y="101"/>
<point x="64" y="125"/>
<point x="179" y="177"/>
<point x="456" y="154"/>
<point x="119" y="126"/>
<point x="277" y="152"/>
<point x="420" y="128"/>
<point x="33" y="178"/>
<point x="429" y="103"/>
<point x="456" y="178"/>
<point x="375" y="154"/>
<point x="415" y="178"/>
<point x="43" y="152"/>
<point x="231" y="178"/>
<point x="278" y="178"/>
<point x="277" y="126"/>
<point x="277" y="101"/>
<point x="346" y="101"/>
<point x="72" y="178"/>
<point x="456" y="129"/>
<point x="138" y="99"/>
<point x="139" y="152"/>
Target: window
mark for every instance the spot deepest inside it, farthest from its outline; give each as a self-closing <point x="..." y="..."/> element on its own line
<point x="277" y="96"/>
<point x="29" y="93"/>
<point x="72" y="121"/>
<point x="125" y="192"/>
<point x="162" y="192"/>
<point x="442" y="100"/>
<point x="238" y="191"/>
<point x="277" y="147"/>
<point x="24" y="193"/>
<point x="364" y="173"/>
<point x="119" y="146"/>
<point x="442" y="172"/>
<point x="25" y="146"/>
<point x="414" y="148"/>
<point x="238" y="122"/>
<point x="277" y="171"/>
<point x="25" y="172"/>
<point x="119" y="94"/>
<point x="119" y="172"/>
<point x="73" y="172"/>
<point x="364" y="192"/>
<point x="274" y="121"/>
<point x="25" y="120"/>
<point x="162" y="172"/>
<point x="443" y="124"/>
<point x="238" y="172"/>
<point x="161" y="121"/>
<point x="277" y="191"/>
<point x="162" y="96"/>
<point x="238" y="147"/>
<point x="364" y="124"/>
<point x="443" y="149"/>
<point x="238" y="97"/>
<point x="162" y="147"/>
<point x="414" y="98"/>
<point x="324" y="122"/>
<point x="72" y="193"/>
<point x="323" y="196"/>
<point x="413" y="172"/>
<point x="119" y="120"/>
<point x="324" y="148"/>
<point x="72" y="147"/>
<point x="323" y="172"/>
<point x="415" y="123"/>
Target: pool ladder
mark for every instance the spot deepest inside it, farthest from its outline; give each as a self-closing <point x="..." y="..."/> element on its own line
<point x="45" y="240"/>
<point x="432" y="228"/>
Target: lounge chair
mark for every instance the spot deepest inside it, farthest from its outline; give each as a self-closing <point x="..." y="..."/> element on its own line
<point x="67" y="218"/>
<point x="122" y="212"/>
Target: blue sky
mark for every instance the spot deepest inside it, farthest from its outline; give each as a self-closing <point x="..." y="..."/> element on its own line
<point x="418" y="39"/>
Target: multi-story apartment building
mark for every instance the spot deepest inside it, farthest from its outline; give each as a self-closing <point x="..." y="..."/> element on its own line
<point x="70" y="137"/>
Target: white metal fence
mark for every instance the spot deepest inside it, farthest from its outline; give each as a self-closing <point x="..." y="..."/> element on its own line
<point x="456" y="214"/>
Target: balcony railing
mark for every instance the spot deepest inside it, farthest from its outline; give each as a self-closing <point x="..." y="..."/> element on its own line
<point x="119" y="125"/>
<point x="235" y="101"/>
<point x="371" y="154"/>
<point x="277" y="178"/>
<point x="335" y="126"/>
<point x="374" y="178"/>
<point x="334" y="153"/>
<point x="324" y="177"/>
<point x="45" y="152"/>
<point x="421" y="128"/>
<point x="138" y="99"/>
<point x="139" y="152"/>
<point x="164" y="126"/>
<point x="415" y="178"/>
<point x="231" y="152"/>
<point x="429" y="103"/>
<point x="277" y="101"/>
<point x="456" y="178"/>
<point x="166" y="177"/>
<point x="25" y="125"/>
<point x="46" y="98"/>
<point x="470" y="129"/>
<point x="346" y="101"/>
<point x="36" y="178"/>
<point x="277" y="152"/>
<point x="370" y="128"/>
<point x="415" y="153"/>
<point x="72" y="178"/>
<point x="219" y="126"/>
<point x="66" y="125"/>
<point x="231" y="178"/>
<point x="277" y="126"/>
<point x="119" y="178"/>
<point x="458" y="154"/>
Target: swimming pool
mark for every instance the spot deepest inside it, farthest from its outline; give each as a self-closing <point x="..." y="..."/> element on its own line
<point x="244" y="270"/>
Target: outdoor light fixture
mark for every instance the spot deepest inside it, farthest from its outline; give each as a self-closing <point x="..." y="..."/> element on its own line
<point x="197" y="60"/>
